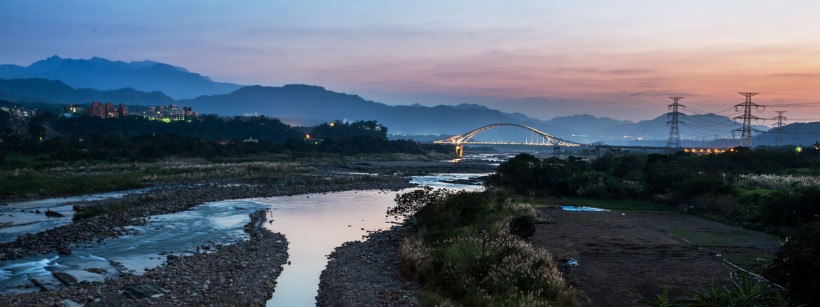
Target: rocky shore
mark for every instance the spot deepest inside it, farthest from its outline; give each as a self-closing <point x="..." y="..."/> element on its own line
<point x="367" y="273"/>
<point x="137" y="208"/>
<point x="241" y="274"/>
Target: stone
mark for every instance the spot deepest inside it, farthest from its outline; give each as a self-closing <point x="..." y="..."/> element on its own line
<point x="70" y="303"/>
<point x="45" y="283"/>
<point x="50" y="213"/>
<point x="65" y="278"/>
<point x="143" y="290"/>
<point x="97" y="270"/>
<point x="64" y="250"/>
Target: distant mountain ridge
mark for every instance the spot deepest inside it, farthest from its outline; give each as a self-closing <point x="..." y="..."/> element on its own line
<point x="795" y="133"/>
<point x="102" y="74"/>
<point x="309" y="105"/>
<point x="51" y="91"/>
<point x="317" y="103"/>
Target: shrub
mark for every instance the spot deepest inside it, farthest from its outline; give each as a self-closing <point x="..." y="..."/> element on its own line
<point x="797" y="265"/>
<point x="523" y="226"/>
<point x="467" y="249"/>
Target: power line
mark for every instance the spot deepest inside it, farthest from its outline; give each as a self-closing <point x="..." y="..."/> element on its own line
<point x="794" y="105"/>
<point x="704" y="112"/>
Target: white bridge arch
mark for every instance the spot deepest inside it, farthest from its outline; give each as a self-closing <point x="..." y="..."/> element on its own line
<point x="462" y="139"/>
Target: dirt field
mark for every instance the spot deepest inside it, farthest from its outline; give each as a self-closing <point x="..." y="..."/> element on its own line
<point x="625" y="256"/>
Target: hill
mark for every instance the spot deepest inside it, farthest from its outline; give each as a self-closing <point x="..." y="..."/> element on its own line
<point x="51" y="91"/>
<point x="315" y="103"/>
<point x="805" y="134"/>
<point x="102" y="74"/>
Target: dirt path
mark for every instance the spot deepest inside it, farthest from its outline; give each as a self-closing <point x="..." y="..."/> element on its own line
<point x="624" y="257"/>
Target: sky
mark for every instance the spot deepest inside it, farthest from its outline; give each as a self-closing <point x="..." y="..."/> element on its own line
<point x="619" y="59"/>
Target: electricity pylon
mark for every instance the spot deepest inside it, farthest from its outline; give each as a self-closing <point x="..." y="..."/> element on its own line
<point x="778" y="137"/>
<point x="674" y="131"/>
<point x="747" y="117"/>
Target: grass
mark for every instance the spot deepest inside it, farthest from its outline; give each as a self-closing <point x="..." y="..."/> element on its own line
<point x="35" y="178"/>
<point x="749" y="193"/>
<point x="805" y="171"/>
<point x="44" y="185"/>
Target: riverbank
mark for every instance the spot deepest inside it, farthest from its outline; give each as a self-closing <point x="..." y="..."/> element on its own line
<point x="366" y="273"/>
<point x="136" y="209"/>
<point x="41" y="179"/>
<point x="243" y="273"/>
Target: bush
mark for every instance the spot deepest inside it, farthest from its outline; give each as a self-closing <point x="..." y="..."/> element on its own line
<point x="467" y="250"/>
<point x="523" y="226"/>
<point x="797" y="265"/>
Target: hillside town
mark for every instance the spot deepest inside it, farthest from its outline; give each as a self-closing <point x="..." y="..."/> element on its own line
<point x="167" y="113"/>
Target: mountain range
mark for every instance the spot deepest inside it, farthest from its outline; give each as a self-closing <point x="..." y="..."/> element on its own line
<point x="53" y="91"/>
<point x="309" y="104"/>
<point x="102" y="74"/>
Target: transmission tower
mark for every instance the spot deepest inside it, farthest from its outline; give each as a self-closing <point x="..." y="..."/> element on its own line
<point x="778" y="137"/>
<point x="674" y="131"/>
<point x="746" y="118"/>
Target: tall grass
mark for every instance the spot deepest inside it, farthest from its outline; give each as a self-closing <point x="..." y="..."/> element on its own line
<point x="463" y="253"/>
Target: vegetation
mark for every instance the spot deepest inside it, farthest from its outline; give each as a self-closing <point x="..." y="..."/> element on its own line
<point x="742" y="187"/>
<point x="797" y="265"/>
<point x="470" y="248"/>
<point x="33" y="183"/>
<point x="746" y="291"/>
<point x="138" y="139"/>
<point x="770" y="189"/>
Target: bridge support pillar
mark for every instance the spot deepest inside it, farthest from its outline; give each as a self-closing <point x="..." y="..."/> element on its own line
<point x="556" y="151"/>
<point x="459" y="150"/>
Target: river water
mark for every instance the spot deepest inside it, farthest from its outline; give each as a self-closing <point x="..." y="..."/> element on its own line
<point x="23" y="217"/>
<point x="314" y="225"/>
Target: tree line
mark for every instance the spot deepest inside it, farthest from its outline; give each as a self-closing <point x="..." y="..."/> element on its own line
<point x="136" y="138"/>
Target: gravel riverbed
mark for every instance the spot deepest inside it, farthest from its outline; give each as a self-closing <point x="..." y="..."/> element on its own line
<point x="240" y="274"/>
<point x="139" y="207"/>
<point x="367" y="273"/>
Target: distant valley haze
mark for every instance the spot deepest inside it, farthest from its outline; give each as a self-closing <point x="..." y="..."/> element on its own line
<point x="78" y="81"/>
<point x="616" y="59"/>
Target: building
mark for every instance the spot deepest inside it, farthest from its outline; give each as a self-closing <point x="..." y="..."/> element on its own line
<point x="19" y="112"/>
<point x="107" y="110"/>
<point x="169" y="113"/>
<point x="122" y="110"/>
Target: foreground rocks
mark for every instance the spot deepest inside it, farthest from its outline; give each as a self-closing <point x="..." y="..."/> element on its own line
<point x="136" y="208"/>
<point x="241" y="274"/>
<point x="367" y="274"/>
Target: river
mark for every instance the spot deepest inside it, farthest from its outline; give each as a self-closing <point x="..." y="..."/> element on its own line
<point x="313" y="223"/>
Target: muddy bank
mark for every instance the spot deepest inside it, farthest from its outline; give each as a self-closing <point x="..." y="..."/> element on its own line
<point x="367" y="274"/>
<point x="243" y="273"/>
<point x="625" y="257"/>
<point x="136" y="209"/>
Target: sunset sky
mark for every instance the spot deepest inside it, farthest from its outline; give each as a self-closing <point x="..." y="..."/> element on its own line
<point x="619" y="59"/>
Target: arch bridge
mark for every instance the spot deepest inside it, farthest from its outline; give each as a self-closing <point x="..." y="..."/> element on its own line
<point x="544" y="139"/>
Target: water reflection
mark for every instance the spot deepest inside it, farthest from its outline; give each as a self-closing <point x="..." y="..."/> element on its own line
<point x="316" y="225"/>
